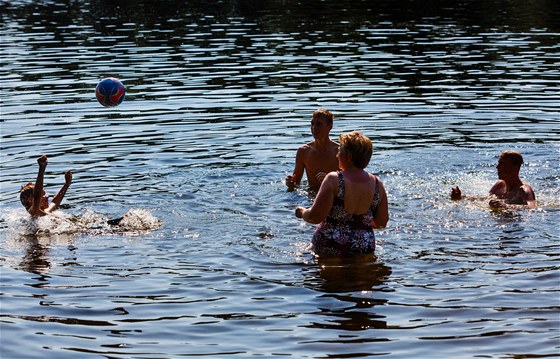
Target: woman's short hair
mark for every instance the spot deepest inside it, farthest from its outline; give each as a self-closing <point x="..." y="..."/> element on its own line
<point x="359" y="146"/>
<point x="25" y="193"/>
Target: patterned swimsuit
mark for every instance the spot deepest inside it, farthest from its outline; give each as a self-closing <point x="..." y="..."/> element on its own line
<point x="345" y="233"/>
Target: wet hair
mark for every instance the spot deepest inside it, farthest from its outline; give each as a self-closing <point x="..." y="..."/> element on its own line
<point x="513" y="157"/>
<point x="25" y="193"/>
<point x="359" y="146"/>
<point x="324" y="113"/>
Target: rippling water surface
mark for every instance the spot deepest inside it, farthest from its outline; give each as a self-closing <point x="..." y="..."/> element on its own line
<point x="212" y="261"/>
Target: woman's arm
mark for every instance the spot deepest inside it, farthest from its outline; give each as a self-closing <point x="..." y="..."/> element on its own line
<point x="382" y="212"/>
<point x="323" y="202"/>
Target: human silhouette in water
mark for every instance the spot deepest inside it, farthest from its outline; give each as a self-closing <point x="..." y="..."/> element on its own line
<point x="33" y="196"/>
<point x="510" y="191"/>
<point x="318" y="157"/>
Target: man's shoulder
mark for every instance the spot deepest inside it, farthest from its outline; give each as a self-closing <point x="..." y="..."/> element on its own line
<point x="527" y="188"/>
<point x="313" y="145"/>
<point x="307" y="147"/>
<point x="497" y="186"/>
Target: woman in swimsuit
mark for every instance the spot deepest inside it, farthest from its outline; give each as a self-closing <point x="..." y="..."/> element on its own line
<point x="350" y="204"/>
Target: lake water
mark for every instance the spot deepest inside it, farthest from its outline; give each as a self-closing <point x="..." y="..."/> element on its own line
<point x="213" y="262"/>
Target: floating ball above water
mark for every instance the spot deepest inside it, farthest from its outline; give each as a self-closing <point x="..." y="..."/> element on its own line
<point x="110" y="92"/>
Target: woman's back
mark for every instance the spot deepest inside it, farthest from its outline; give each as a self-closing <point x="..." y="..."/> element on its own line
<point x="355" y="202"/>
<point x="350" y="203"/>
<point x="359" y="193"/>
<point x="346" y="229"/>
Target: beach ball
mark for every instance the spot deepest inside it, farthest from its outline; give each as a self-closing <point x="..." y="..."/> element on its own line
<point x="110" y="92"/>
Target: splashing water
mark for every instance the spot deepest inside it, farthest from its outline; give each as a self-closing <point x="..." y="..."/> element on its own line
<point x="139" y="220"/>
<point x="19" y="223"/>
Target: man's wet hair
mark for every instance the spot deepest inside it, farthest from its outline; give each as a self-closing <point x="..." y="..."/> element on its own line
<point x="328" y="115"/>
<point x="513" y="157"/>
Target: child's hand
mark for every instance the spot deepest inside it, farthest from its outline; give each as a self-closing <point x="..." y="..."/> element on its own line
<point x="42" y="161"/>
<point x="68" y="176"/>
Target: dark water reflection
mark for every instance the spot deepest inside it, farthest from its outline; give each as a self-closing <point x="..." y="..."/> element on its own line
<point x="36" y="259"/>
<point x="219" y="96"/>
<point x="332" y="274"/>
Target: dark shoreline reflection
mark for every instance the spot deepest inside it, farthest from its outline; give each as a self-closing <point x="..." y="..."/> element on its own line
<point x="286" y="15"/>
<point x="347" y="280"/>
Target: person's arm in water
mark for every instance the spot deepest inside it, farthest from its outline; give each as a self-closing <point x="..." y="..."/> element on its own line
<point x="382" y="212"/>
<point x="294" y="179"/>
<point x="39" y="186"/>
<point x="457" y="195"/>
<point x="323" y="202"/>
<point x="60" y="195"/>
<point x="528" y="197"/>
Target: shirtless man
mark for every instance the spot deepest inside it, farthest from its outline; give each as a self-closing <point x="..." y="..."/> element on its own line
<point x="511" y="192"/>
<point x="33" y="196"/>
<point x="318" y="157"/>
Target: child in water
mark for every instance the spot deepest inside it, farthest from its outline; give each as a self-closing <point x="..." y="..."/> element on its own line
<point x="511" y="192"/>
<point x="33" y="196"/>
<point x="35" y="200"/>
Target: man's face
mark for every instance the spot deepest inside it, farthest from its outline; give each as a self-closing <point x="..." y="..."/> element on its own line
<point x="504" y="167"/>
<point x="320" y="126"/>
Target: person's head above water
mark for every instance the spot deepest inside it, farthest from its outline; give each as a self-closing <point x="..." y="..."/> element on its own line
<point x="514" y="157"/>
<point x="509" y="164"/>
<point x="321" y="124"/>
<point x="324" y="113"/>
<point x="357" y="147"/>
<point x="26" y="196"/>
<point x="318" y="157"/>
<point x="33" y="197"/>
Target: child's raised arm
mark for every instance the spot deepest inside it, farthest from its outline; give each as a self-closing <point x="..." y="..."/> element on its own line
<point x="39" y="187"/>
<point x="60" y="195"/>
